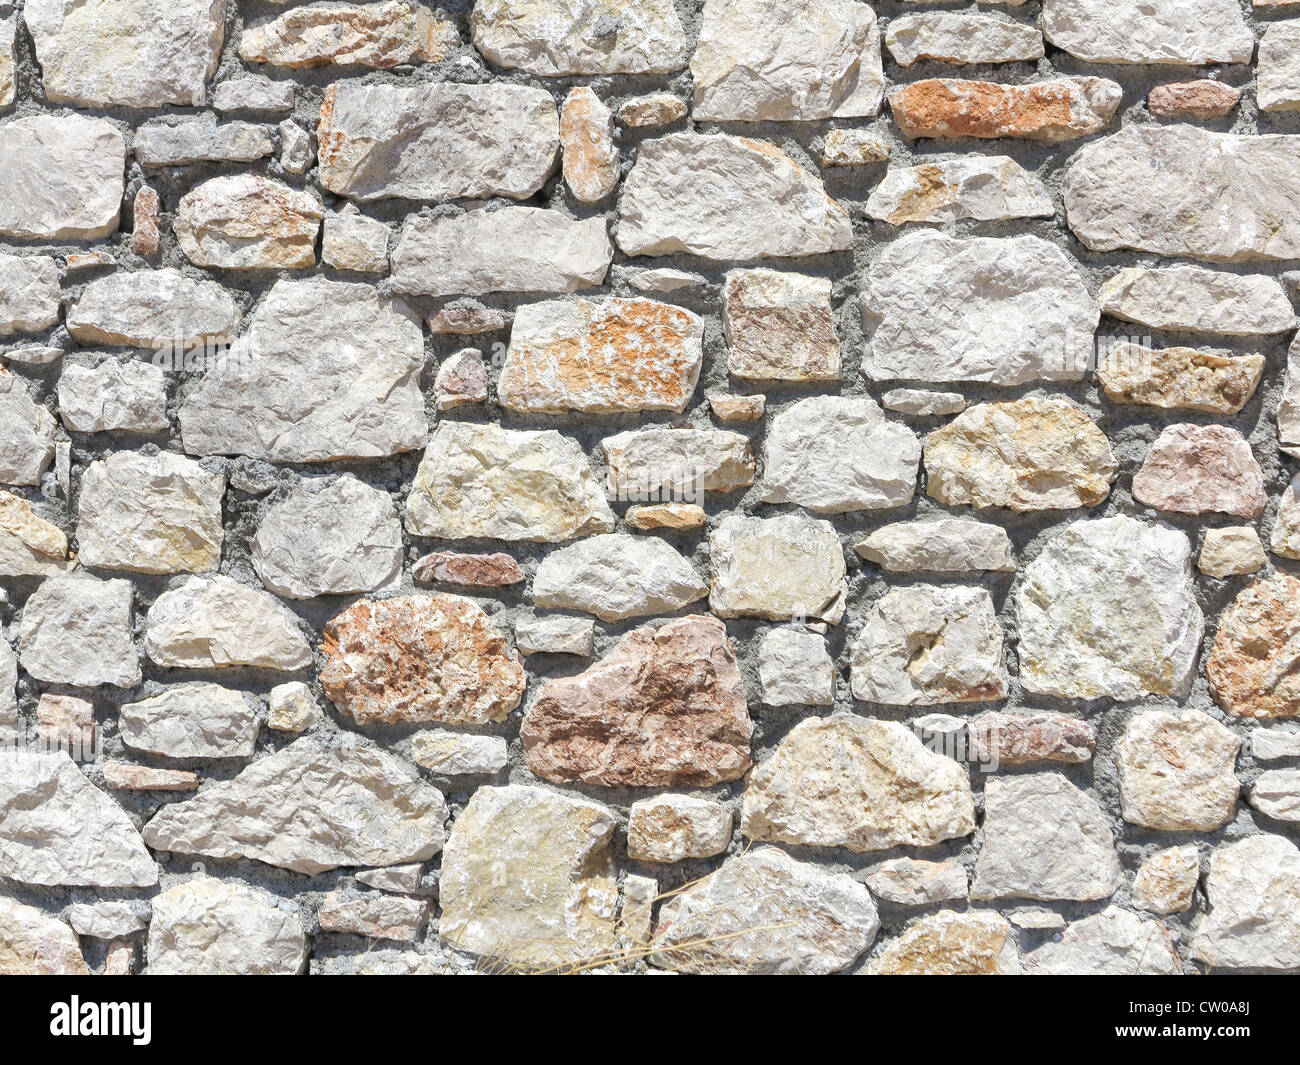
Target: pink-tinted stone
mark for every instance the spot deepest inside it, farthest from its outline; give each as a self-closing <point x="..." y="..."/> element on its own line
<point x="471" y="571"/>
<point x="1193" y="99"/>
<point x="665" y="708"/>
<point x="1020" y="739"/>
<point x="123" y="776"/>
<point x="1252" y="666"/>
<point x="146" y="236"/>
<point x="1199" y="469"/>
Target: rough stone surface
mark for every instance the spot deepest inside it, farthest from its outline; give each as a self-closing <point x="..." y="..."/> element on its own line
<point x="436" y="141"/>
<point x="62" y="176"/>
<point x="1253" y="887"/>
<point x="1005" y="310"/>
<point x="58" y="829"/>
<point x="1166" y="882"/>
<point x="833" y="454"/>
<point x="211" y="927"/>
<point x="1053" y="112"/>
<point x="556" y="636"/>
<point x="419" y="658"/>
<point x="512" y="249"/>
<point x="1107" y="610"/>
<point x="673" y="828"/>
<point x="159" y="514"/>
<point x="450" y="754"/>
<point x="856" y="783"/>
<point x="949" y="943"/>
<point x="779" y="326"/>
<point x="962" y="37"/>
<point x="562" y="37"/>
<point x="1180" y="378"/>
<point x="1249" y="668"/>
<point x="659" y="462"/>
<point x="529" y="880"/>
<point x="1044" y="839"/>
<point x="787" y="60"/>
<point x="1196" y="300"/>
<point x="151" y="309"/>
<point x="1176" y="772"/>
<point x="763" y="912"/>
<point x="1202" y="99"/>
<point x="940" y="545"/>
<point x="997" y="738"/>
<point x="1149" y="31"/>
<point x="909" y="882"/>
<point x="666" y="707"/>
<point x="363" y="354"/>
<point x="118" y="395"/>
<point x="616" y="577"/>
<point x="29" y="293"/>
<point x="591" y="158"/>
<point x="217" y="622"/>
<point x="329" y="538"/>
<point x="32" y="943"/>
<point x="248" y="222"/>
<point x="601" y="357"/>
<point x="1113" y="942"/>
<point x="368" y="35"/>
<point x="925" y="645"/>
<point x="1025" y="455"/>
<point x="1276" y="794"/>
<point x="76" y="630"/>
<point x="1279" y="67"/>
<point x="482" y="480"/>
<point x="182" y="140"/>
<point x="1198" y="469"/>
<point x="794" y="669"/>
<point x="777" y="569"/>
<point x="26" y="434"/>
<point x="191" y="721"/>
<point x="991" y="188"/>
<point x="310" y="807"/>
<point x="724" y="197"/>
<point x="1285" y="538"/>
<point x="30" y="546"/>
<point x="1179" y="190"/>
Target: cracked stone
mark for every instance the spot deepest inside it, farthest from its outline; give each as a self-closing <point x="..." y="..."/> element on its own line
<point x="991" y="188"/>
<point x="118" y="395"/>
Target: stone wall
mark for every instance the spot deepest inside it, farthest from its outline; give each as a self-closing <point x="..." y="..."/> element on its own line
<point x="714" y="485"/>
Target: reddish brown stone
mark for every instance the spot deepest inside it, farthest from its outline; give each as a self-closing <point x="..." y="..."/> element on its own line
<point x="123" y="776"/>
<point x="1051" y="111"/>
<point x="420" y="658"/>
<point x="470" y="571"/>
<point x="1193" y="99"/>
<point x="1252" y="666"/>
<point x="665" y="708"/>
<point x="146" y="235"/>
<point x="1019" y="739"/>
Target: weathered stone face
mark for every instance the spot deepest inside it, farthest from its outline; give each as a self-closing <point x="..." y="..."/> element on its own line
<point x="481" y="480"/>
<point x="1249" y="665"/>
<point x="998" y="738"/>
<point x="29" y="293"/>
<point x="30" y="546"/>
<point x="587" y="137"/>
<point x="1180" y="378"/>
<point x="616" y="577"/>
<point x="1166" y="882"/>
<point x="723" y="197"/>
<point x="1195" y="469"/>
<point x="126" y="53"/>
<point x="419" y="658"/>
<point x="664" y="463"/>
<point x="1029" y="454"/>
<point x="1196" y="300"/>
<point x="1253" y="887"/>
<point x="1107" y="610"/>
<point x="856" y="783"/>
<point x="363" y="354"/>
<point x="925" y="645"/>
<point x="1176" y="771"/>
<point x="665" y="708"/>
<point x="942" y="545"/>
<point x="63" y="177"/>
<point x="1114" y="942"/>
<point x="76" y="630"/>
<point x="675" y="827"/>
<point x="1044" y="839"/>
<point x="1050" y="111"/>
<point x="436" y="141"/>
<point x="601" y="357"/>
<point x="949" y="943"/>
<point x="1004" y="310"/>
<point x="313" y="806"/>
<point x="787" y="60"/>
<point x="248" y="222"/>
<point x="1154" y="31"/>
<point x="564" y="37"/>
<point x="152" y="309"/>
<point x="529" y="879"/>
<point x="191" y="721"/>
<point x="1219" y="197"/>
<point x="962" y="37"/>
<point x="777" y="569"/>
<point x="369" y="35"/>
<point x="126" y="396"/>
<point x="991" y="188"/>
<point x="32" y="943"/>
<point x="779" y="327"/>
<point x="1201" y="99"/>
<point x="764" y="912"/>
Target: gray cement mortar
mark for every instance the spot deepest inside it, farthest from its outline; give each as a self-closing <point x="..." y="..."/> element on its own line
<point x="1130" y="429"/>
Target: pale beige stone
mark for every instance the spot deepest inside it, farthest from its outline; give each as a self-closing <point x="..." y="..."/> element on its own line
<point x="1176" y="772"/>
<point x="1180" y="378"/>
<point x="248" y="222"/>
<point x="374" y="916"/>
<point x="616" y="577"/>
<point x="1253" y="918"/>
<point x="1231" y="552"/>
<point x="30" y="546"/>
<point x="777" y="569"/>
<point x="212" y="927"/>
<point x="482" y="480"/>
<point x="856" y="783"/>
<point x="910" y="882"/>
<point x="1113" y="942"/>
<point x="591" y="160"/>
<point x="32" y="943"/>
<point x="673" y="828"/>
<point x="368" y="35"/>
<point x="191" y="721"/>
<point x="291" y="707"/>
<point x="1196" y="300"/>
<point x="76" y="630"/>
<point x="1149" y="31"/>
<point x="991" y="188"/>
<point x="1285" y="538"/>
<point x="854" y="147"/>
<point x="1026" y="455"/>
<point x="1166" y="882"/>
<point x="653" y="109"/>
<point x="1278" y="67"/>
<point x="962" y="37"/>
<point x="948" y="943"/>
<point x="941" y="545"/>
<point x="529" y="880"/>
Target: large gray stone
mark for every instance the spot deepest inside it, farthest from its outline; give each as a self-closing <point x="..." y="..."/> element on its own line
<point x="1149" y="31"/>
